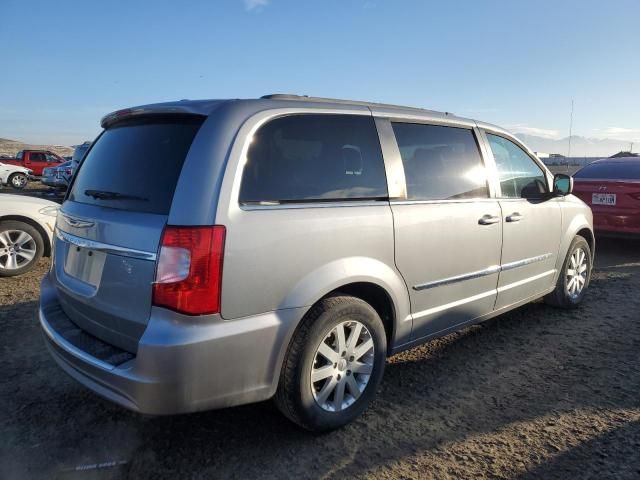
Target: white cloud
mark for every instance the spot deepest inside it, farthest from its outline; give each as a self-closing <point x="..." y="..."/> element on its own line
<point x="618" y="133"/>
<point x="538" y="132"/>
<point x="255" y="5"/>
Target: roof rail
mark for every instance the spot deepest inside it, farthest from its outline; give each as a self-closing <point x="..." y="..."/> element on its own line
<point x="307" y="98"/>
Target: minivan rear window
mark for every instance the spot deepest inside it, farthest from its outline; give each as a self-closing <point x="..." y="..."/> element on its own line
<point x="135" y="164"/>
<point x="610" y="171"/>
<point x="310" y="158"/>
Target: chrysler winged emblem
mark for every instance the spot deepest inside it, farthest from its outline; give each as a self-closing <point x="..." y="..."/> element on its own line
<point x="77" y="223"/>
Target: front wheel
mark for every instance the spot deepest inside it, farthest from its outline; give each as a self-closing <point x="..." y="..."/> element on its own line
<point x="18" y="180"/>
<point x="333" y="365"/>
<point x="574" y="277"/>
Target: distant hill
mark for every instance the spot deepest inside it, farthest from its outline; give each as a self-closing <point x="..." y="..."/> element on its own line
<point x="580" y="146"/>
<point x="11" y="147"/>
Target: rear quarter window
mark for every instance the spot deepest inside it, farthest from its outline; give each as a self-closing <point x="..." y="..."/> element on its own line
<point x="307" y="158"/>
<point x="136" y="164"/>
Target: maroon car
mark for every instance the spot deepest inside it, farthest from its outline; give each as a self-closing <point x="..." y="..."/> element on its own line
<point x="611" y="187"/>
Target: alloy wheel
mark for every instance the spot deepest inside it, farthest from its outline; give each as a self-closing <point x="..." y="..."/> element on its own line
<point x="19" y="181"/>
<point x="17" y="249"/>
<point x="342" y="366"/>
<point x="577" y="273"/>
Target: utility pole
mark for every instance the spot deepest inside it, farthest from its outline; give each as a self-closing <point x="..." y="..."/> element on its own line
<point x="570" y="132"/>
<point x="631" y="148"/>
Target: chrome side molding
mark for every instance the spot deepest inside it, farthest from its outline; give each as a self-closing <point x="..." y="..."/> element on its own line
<point x="482" y="273"/>
<point x="104" y="247"/>
<point x="526" y="261"/>
<point x="458" y="278"/>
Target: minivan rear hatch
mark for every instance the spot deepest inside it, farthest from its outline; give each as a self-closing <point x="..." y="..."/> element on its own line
<point x="110" y="226"/>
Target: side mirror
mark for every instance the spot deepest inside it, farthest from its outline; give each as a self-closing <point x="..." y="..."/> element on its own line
<point x="562" y="185"/>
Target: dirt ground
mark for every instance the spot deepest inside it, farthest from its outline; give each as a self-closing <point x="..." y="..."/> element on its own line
<point x="537" y="393"/>
<point x="36" y="189"/>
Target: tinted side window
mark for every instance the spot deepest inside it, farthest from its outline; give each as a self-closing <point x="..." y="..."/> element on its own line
<point x="519" y="175"/>
<point x="37" y="157"/>
<point x="440" y="163"/>
<point x="314" y="157"/>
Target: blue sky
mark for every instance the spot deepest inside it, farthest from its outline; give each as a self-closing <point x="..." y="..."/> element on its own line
<point x="516" y="63"/>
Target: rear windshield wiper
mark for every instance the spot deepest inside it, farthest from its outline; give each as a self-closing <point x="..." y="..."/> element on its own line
<point x="105" y="195"/>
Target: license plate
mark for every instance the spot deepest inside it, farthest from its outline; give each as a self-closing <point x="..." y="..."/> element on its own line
<point x="84" y="264"/>
<point x="603" y="198"/>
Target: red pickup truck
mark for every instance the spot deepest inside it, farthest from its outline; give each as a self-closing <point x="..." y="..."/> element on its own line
<point x="35" y="160"/>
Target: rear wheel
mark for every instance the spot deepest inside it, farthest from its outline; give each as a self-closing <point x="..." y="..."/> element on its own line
<point x="575" y="276"/>
<point x="21" y="246"/>
<point x="18" y="180"/>
<point x="333" y="365"/>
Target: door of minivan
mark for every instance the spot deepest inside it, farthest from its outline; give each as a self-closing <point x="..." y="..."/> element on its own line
<point x="532" y="223"/>
<point x="448" y="230"/>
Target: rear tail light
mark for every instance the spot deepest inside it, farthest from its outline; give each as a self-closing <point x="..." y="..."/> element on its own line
<point x="189" y="269"/>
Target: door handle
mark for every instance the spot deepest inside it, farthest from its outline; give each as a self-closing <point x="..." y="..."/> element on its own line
<point x="514" y="217"/>
<point x="488" y="220"/>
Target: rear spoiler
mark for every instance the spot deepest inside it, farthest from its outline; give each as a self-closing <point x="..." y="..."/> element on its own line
<point x="120" y="115"/>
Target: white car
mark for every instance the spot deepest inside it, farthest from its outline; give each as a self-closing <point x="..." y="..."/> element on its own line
<point x="26" y="232"/>
<point x="14" y="175"/>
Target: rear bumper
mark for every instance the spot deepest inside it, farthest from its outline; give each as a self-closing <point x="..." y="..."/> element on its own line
<point x="618" y="222"/>
<point x="182" y="364"/>
<point x="53" y="182"/>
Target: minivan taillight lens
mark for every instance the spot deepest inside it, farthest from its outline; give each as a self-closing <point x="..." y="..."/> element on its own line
<point x="189" y="269"/>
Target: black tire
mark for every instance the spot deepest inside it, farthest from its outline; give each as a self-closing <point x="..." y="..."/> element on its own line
<point x="18" y="180"/>
<point x="23" y="266"/>
<point x="294" y="397"/>
<point x="560" y="297"/>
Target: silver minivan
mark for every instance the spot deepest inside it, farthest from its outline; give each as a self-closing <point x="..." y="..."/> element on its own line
<point x="221" y="252"/>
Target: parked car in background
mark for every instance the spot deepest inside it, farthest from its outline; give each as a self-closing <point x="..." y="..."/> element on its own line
<point x="611" y="187"/>
<point x="288" y="245"/>
<point x="26" y="230"/>
<point x="35" y="160"/>
<point x="14" y="176"/>
<point x="79" y="152"/>
<point x="59" y="176"/>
